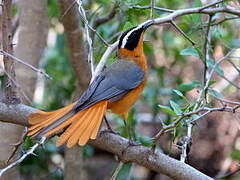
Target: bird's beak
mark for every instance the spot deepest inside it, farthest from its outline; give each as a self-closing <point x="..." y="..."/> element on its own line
<point x="147" y="24"/>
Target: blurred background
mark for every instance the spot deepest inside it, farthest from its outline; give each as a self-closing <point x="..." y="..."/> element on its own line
<point x="50" y="35"/>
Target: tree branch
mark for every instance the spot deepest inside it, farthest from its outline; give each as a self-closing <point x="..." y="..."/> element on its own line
<point x="75" y="42"/>
<point x="30" y="151"/>
<point x="104" y="59"/>
<point x="73" y="32"/>
<point x="13" y="58"/>
<point x="10" y="90"/>
<point x="118" y="145"/>
<point x="101" y="20"/>
<point x="198" y="10"/>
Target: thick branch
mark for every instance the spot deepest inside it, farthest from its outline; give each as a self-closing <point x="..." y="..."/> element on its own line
<point x="117" y="145"/>
<point x="10" y="90"/>
<point x="74" y="36"/>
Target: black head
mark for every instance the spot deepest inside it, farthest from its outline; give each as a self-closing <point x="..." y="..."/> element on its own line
<point x="130" y="38"/>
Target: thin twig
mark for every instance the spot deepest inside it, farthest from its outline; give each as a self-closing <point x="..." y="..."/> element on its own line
<point x="26" y="64"/>
<point x="183" y="33"/>
<point x="224" y="20"/>
<point x="175" y="123"/>
<point x="229" y="81"/>
<point x="101" y="20"/>
<point x="182" y="12"/>
<point x="119" y="167"/>
<point x="211" y="4"/>
<point x="152" y="9"/>
<point x="104" y="59"/>
<point x="229" y="174"/>
<point x="68" y="9"/>
<point x="234" y="65"/>
<point x="186" y="143"/>
<point x="214" y="67"/>
<point x="98" y="35"/>
<point x="227" y="101"/>
<point x="18" y="86"/>
<point x="87" y="27"/>
<point x="89" y="40"/>
<point x="17" y="144"/>
<point x="29" y="152"/>
<point x="171" y="10"/>
<point x="206" y="52"/>
<point x="155" y="8"/>
<point x="204" y="89"/>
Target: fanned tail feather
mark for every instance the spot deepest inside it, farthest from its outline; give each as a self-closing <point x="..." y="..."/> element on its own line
<point x="41" y="119"/>
<point x="81" y="126"/>
<point x="86" y="127"/>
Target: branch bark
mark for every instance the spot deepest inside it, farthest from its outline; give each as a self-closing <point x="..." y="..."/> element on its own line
<point x="9" y="133"/>
<point x="117" y="145"/>
<point x="101" y="20"/>
<point x="10" y="90"/>
<point x="74" y="37"/>
<point x="32" y="40"/>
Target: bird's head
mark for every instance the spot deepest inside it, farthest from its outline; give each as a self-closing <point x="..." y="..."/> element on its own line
<point x="131" y="41"/>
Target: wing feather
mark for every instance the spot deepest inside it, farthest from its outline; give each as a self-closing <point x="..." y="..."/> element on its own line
<point x="112" y="84"/>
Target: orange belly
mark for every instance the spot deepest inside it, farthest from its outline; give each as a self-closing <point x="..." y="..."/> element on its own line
<point x="123" y="105"/>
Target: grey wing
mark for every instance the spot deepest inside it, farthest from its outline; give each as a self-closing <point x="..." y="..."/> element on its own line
<point x="112" y="84"/>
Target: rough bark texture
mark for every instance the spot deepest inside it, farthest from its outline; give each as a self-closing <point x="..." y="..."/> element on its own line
<point x="9" y="66"/>
<point x="74" y="37"/>
<point x="9" y="133"/>
<point x="31" y="42"/>
<point x="78" y="58"/>
<point x="120" y="146"/>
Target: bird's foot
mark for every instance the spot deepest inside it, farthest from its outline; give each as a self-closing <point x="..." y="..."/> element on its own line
<point x="133" y="143"/>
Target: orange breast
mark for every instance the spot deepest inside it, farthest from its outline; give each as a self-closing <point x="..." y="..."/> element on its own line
<point x="123" y="105"/>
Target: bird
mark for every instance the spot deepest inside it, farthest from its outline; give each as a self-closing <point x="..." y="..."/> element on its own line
<point x="116" y="88"/>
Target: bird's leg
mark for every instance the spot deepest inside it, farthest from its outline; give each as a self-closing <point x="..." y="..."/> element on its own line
<point x="130" y="137"/>
<point x="109" y="127"/>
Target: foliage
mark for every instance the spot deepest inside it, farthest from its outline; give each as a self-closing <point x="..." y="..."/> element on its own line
<point x="169" y="90"/>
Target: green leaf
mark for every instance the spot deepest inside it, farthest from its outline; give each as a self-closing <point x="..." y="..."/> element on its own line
<point x="211" y="63"/>
<point x="189" y="51"/>
<point x="127" y="26"/>
<point x="212" y="82"/>
<point x="146" y="141"/>
<point x="176" y="107"/>
<point x="235" y="154"/>
<point x="179" y="93"/>
<point x="215" y="93"/>
<point x="167" y="109"/>
<point x="185" y="87"/>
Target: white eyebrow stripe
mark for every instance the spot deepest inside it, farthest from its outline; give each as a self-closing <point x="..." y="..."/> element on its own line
<point x="124" y="41"/>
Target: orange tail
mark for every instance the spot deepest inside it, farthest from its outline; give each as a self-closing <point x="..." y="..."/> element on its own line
<point x="82" y="126"/>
